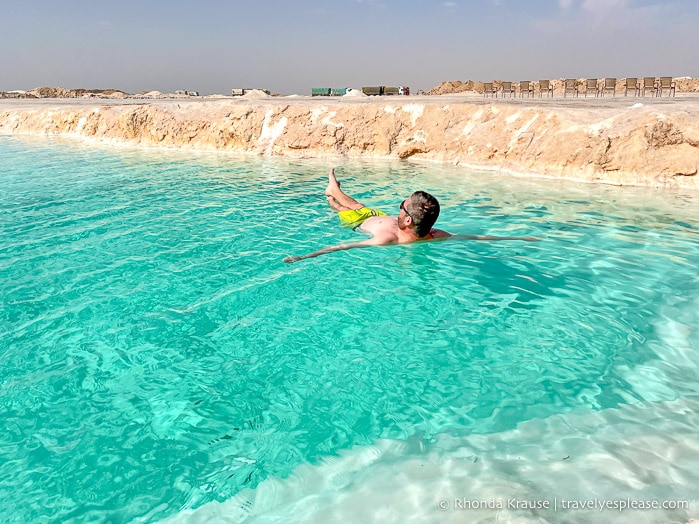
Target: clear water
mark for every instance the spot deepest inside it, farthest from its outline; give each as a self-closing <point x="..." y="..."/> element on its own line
<point x="157" y="354"/>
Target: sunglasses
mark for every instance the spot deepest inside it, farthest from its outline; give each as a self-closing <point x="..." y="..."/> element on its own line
<point x="402" y="206"/>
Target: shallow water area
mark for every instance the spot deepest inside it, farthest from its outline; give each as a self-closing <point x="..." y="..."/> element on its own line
<point x="162" y="362"/>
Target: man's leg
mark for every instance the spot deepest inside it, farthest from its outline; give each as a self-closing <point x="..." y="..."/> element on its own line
<point x="337" y="199"/>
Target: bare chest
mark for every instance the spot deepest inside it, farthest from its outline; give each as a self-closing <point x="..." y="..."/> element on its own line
<point x="380" y="225"/>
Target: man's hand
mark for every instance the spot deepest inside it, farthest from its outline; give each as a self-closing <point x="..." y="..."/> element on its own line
<point x="291" y="260"/>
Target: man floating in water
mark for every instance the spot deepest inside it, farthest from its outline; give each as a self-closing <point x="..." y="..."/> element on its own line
<point x="418" y="213"/>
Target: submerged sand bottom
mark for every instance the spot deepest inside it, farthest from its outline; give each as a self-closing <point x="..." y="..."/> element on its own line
<point x="612" y="465"/>
<point x="589" y="467"/>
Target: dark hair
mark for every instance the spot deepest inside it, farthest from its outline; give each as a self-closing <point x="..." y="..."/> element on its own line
<point x="424" y="210"/>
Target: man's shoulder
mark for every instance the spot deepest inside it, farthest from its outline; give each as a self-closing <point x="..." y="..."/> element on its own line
<point x="438" y="233"/>
<point x="386" y="236"/>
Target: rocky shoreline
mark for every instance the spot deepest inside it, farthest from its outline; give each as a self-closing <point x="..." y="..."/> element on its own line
<point x="623" y="141"/>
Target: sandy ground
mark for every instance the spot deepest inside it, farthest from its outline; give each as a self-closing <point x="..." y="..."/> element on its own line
<point x="681" y="102"/>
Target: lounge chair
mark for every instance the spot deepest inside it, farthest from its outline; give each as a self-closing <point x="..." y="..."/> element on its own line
<point x="507" y="87"/>
<point x="632" y="83"/>
<point x="649" y="84"/>
<point x="525" y="86"/>
<point x="488" y="89"/>
<point x="591" y="85"/>
<point x="545" y="85"/>
<point x="666" y="82"/>
<point x="608" y="85"/>
<point x="571" y="86"/>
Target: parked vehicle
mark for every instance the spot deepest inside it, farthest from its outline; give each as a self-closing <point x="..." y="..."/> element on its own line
<point x="238" y="91"/>
<point x="373" y="91"/>
<point x="386" y="90"/>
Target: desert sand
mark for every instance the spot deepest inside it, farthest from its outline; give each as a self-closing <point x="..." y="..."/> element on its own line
<point x="617" y="140"/>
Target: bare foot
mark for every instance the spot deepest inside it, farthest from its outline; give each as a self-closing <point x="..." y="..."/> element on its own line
<point x="333" y="184"/>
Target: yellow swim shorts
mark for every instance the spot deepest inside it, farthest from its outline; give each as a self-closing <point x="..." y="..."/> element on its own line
<point x="354" y="218"/>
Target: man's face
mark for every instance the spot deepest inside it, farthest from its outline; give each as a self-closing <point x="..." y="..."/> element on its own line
<point x="404" y="218"/>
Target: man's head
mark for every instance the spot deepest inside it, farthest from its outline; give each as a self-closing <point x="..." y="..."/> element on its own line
<point x="423" y="209"/>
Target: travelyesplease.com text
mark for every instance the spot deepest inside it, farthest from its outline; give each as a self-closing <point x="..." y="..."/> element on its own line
<point x="560" y="504"/>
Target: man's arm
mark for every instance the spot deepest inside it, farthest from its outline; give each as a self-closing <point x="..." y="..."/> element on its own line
<point x="377" y="241"/>
<point x="339" y="247"/>
<point x="438" y="234"/>
<point x="488" y="237"/>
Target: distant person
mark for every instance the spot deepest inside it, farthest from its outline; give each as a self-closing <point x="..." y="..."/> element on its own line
<point x="417" y="214"/>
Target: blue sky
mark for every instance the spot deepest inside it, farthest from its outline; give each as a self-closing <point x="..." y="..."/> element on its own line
<point x="291" y="46"/>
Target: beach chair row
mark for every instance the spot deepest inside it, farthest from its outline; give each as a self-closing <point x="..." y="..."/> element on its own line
<point x="655" y="86"/>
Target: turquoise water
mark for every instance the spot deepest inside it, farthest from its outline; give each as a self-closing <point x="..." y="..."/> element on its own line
<point x="158" y="355"/>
